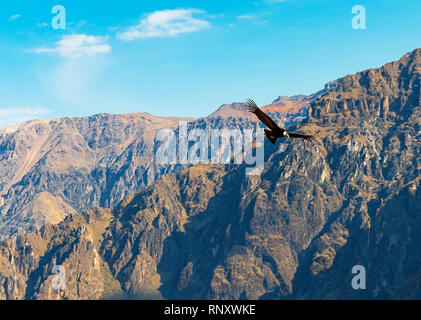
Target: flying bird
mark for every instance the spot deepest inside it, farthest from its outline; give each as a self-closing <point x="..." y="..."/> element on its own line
<point x="275" y="131"/>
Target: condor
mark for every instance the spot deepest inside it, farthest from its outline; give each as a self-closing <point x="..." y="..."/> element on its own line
<point x="275" y="132"/>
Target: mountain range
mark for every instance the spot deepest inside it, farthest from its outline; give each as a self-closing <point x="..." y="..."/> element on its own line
<point x="87" y="194"/>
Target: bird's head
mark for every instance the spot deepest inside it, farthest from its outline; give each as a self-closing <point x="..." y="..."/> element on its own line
<point x="286" y="135"/>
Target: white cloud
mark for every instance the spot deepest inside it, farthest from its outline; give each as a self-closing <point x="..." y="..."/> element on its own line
<point x="20" y="114"/>
<point x="14" y="17"/>
<point x="165" y="23"/>
<point x="77" y="45"/>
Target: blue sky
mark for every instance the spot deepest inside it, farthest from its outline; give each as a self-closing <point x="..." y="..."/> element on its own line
<point x="186" y="58"/>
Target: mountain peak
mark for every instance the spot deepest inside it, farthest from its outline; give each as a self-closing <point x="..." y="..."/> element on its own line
<point x="282" y="104"/>
<point x="413" y="56"/>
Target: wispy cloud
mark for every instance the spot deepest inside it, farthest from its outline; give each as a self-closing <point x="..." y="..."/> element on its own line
<point x="165" y="23"/>
<point x="73" y="80"/>
<point x="246" y="17"/>
<point x="274" y="1"/>
<point x="259" y="2"/>
<point x="14" y="17"/>
<point x="20" y="114"/>
<point x="254" y="18"/>
<point x="77" y="45"/>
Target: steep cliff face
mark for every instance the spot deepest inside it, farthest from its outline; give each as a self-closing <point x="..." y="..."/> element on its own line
<point x="295" y="231"/>
<point x="27" y="261"/>
<point x="377" y="116"/>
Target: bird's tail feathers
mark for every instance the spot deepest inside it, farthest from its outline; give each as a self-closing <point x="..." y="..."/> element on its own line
<point x="269" y="134"/>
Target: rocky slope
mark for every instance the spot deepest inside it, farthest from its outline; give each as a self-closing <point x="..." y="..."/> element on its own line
<point x="79" y="163"/>
<point x="296" y="231"/>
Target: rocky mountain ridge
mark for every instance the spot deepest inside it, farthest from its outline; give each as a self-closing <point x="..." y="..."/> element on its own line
<point x="81" y="163"/>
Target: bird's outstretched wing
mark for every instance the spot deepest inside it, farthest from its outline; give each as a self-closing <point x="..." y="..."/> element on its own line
<point x="308" y="137"/>
<point x="252" y="107"/>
